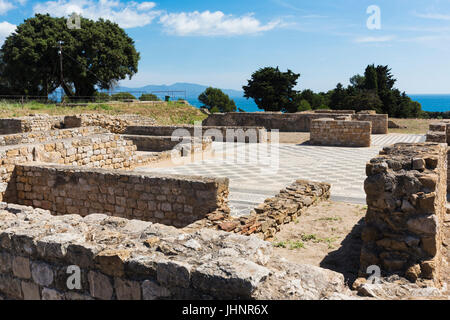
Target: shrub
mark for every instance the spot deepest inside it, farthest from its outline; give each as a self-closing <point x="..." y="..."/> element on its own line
<point x="148" y="97"/>
<point x="123" y="96"/>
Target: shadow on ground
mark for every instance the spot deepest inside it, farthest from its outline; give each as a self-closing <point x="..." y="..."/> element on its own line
<point x="345" y="260"/>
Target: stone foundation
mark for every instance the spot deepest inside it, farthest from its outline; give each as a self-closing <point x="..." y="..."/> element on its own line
<point x="31" y="123"/>
<point x="440" y="132"/>
<point x="45" y="136"/>
<point x="136" y="260"/>
<point x="329" y="132"/>
<point x="265" y="220"/>
<point x="160" y="144"/>
<point x="168" y="199"/>
<point x="231" y="134"/>
<point x="292" y="122"/>
<point x="114" y="124"/>
<point x="406" y="189"/>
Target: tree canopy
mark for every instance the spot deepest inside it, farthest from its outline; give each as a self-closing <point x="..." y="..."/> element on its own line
<point x="273" y="90"/>
<point x="95" y="56"/>
<point x="374" y="91"/>
<point x="217" y="101"/>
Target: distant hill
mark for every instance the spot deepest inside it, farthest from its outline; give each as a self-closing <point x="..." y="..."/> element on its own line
<point x="192" y="90"/>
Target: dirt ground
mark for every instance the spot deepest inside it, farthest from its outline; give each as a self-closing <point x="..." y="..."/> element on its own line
<point x="329" y="235"/>
<point x="326" y="235"/>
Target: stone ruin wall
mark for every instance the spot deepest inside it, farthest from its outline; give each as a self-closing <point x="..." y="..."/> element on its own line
<point x="165" y="143"/>
<point x="114" y="124"/>
<point x="330" y="132"/>
<point x="45" y="136"/>
<point x="135" y="260"/>
<point x="266" y="219"/>
<point x="406" y="189"/>
<point x="30" y="123"/>
<point x="167" y="199"/>
<point x="224" y="133"/>
<point x="97" y="151"/>
<point x="291" y="122"/>
<point x="440" y="132"/>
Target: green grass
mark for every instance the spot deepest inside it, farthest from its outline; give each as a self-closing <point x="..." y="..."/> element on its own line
<point x="291" y="245"/>
<point x="166" y="113"/>
<point x="315" y="239"/>
<point x="334" y="219"/>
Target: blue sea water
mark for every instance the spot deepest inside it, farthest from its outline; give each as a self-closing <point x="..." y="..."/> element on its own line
<point x="433" y="102"/>
<point x="429" y="102"/>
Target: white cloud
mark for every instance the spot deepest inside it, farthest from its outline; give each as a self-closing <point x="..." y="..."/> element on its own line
<point x="6" y="29"/>
<point x="375" y="39"/>
<point x="213" y="24"/>
<point x="5" y="6"/>
<point x="128" y="14"/>
<point x="434" y="16"/>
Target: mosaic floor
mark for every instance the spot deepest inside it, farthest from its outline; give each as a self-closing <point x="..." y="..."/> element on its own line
<point x="273" y="167"/>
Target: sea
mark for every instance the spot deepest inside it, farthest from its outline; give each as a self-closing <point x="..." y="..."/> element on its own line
<point x="429" y="102"/>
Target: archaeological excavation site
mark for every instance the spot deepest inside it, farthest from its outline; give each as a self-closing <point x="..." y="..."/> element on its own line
<point x="324" y="205"/>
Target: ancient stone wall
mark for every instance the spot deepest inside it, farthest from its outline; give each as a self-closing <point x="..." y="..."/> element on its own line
<point x="159" y="144"/>
<point x="234" y="134"/>
<point x="168" y="199"/>
<point x="379" y="121"/>
<point x="30" y="123"/>
<point x="44" y="136"/>
<point x="406" y="189"/>
<point x="329" y="132"/>
<point x="114" y="124"/>
<point x="136" y="260"/>
<point x="290" y="122"/>
<point x="99" y="151"/>
<point x="440" y="132"/>
<point x="266" y="219"/>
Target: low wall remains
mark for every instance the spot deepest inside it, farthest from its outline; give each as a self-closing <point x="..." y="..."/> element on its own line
<point x="266" y="219"/>
<point x="107" y="151"/>
<point x="113" y="123"/>
<point x="291" y="122"/>
<point x="118" y="259"/>
<point x="236" y="134"/>
<point x="31" y="123"/>
<point x="329" y="132"/>
<point x="167" y="199"/>
<point x="440" y="132"/>
<point x="406" y="189"/>
<point x="44" y="136"/>
<point x="160" y="144"/>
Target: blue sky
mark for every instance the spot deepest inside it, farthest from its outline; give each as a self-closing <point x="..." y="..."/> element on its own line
<point x="220" y="43"/>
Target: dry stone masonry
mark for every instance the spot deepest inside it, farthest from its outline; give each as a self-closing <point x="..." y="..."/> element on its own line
<point x="293" y="122"/>
<point x="342" y="133"/>
<point x="265" y="220"/>
<point x="44" y="136"/>
<point x="114" y="124"/>
<point x="440" y="132"/>
<point x="168" y="199"/>
<point x="30" y="123"/>
<point x="406" y="189"/>
<point x="230" y="134"/>
<point x="136" y="260"/>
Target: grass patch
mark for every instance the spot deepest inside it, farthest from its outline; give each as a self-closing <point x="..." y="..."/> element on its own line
<point x="330" y="219"/>
<point x="291" y="245"/>
<point x="165" y="113"/>
<point x="315" y="239"/>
